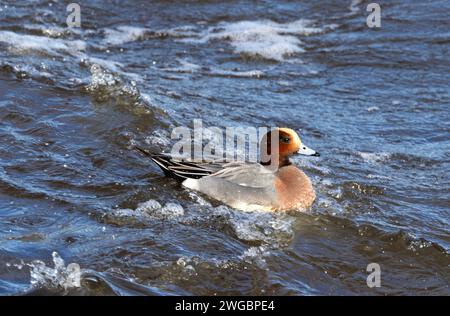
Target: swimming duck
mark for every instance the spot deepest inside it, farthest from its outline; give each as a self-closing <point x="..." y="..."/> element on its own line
<point x="272" y="185"/>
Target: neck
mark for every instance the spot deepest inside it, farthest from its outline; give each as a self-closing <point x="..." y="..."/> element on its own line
<point x="280" y="161"/>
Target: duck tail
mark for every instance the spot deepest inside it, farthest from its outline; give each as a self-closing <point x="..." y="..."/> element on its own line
<point x="163" y="161"/>
<point x="180" y="170"/>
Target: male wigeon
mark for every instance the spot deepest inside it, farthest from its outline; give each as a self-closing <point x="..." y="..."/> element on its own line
<point x="272" y="185"/>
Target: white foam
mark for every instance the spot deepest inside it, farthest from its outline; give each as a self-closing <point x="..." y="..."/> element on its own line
<point x="271" y="229"/>
<point x="186" y="265"/>
<point x="107" y="85"/>
<point x="377" y="176"/>
<point x="158" y="137"/>
<point x="108" y="64"/>
<point x="61" y="276"/>
<point x="171" y="210"/>
<point x="354" y="5"/>
<point x="124" y="212"/>
<point x="267" y="227"/>
<point x="237" y="74"/>
<point x="417" y="244"/>
<point x="189" y="67"/>
<point x="304" y="162"/>
<point x="102" y="78"/>
<point x="124" y="34"/>
<point x="149" y="206"/>
<point x="150" y="209"/>
<point x="262" y="38"/>
<point x="373" y="109"/>
<point x="256" y="255"/>
<point x="23" y="44"/>
<point x="111" y="65"/>
<point x="179" y="31"/>
<point x="374" y="157"/>
<point x="184" y="67"/>
<point x="52" y="31"/>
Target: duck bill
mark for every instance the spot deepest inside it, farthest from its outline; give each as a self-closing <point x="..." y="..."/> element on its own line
<point x="306" y="151"/>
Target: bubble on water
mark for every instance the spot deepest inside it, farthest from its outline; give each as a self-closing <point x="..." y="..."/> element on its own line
<point x="109" y="65"/>
<point x="159" y="138"/>
<point x="187" y="267"/>
<point x="267" y="227"/>
<point x="19" y="265"/>
<point x="60" y="276"/>
<point x="417" y="244"/>
<point x="105" y="86"/>
<point x="101" y="78"/>
<point x="246" y="229"/>
<point x="148" y="206"/>
<point x="171" y="210"/>
<point x="181" y="262"/>
<point x="124" y="212"/>
<point x="256" y="255"/>
<point x="150" y="209"/>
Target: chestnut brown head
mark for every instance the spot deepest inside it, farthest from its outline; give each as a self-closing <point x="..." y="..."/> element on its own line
<point x="279" y="144"/>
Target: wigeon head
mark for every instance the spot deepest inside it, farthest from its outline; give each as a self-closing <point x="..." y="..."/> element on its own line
<point x="286" y="143"/>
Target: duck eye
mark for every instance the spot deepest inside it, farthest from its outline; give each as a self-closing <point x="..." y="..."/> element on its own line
<point x="285" y="139"/>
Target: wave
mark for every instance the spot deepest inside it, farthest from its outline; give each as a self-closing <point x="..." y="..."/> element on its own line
<point x="24" y="44"/>
<point x="71" y="279"/>
<point x="106" y="86"/>
<point x="124" y="34"/>
<point x="255" y="228"/>
<point x="262" y="38"/>
<point x="188" y="67"/>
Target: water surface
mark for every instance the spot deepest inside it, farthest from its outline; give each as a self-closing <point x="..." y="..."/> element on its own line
<point x="74" y="102"/>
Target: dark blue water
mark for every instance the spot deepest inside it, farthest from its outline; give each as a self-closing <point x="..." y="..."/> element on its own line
<point x="74" y="102"/>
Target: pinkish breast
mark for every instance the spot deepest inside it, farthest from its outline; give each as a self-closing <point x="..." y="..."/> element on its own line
<point x="294" y="189"/>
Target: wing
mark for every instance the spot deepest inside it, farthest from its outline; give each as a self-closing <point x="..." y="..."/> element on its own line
<point x="243" y="186"/>
<point x="181" y="169"/>
<point x="252" y="175"/>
